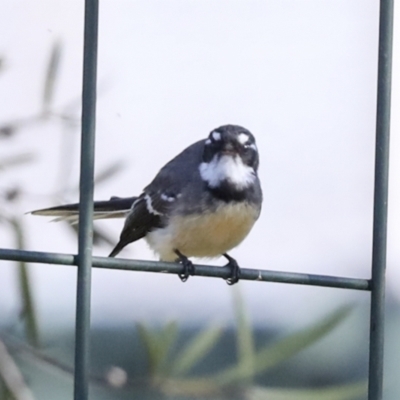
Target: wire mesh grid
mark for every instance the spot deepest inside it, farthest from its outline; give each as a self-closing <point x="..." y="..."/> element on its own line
<point x="84" y="259"/>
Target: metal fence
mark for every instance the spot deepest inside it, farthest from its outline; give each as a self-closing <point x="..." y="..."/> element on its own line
<point x="84" y="260"/>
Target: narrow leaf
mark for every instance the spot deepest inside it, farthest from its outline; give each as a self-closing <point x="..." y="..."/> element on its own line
<point x="16" y="160"/>
<point x="29" y="312"/>
<point x="196" y="350"/>
<point x="271" y="355"/>
<point x="7" y="130"/>
<point x="109" y="171"/>
<point x="2" y="63"/>
<point x="158" y="345"/>
<point x="51" y="76"/>
<point x="150" y="344"/>
<point x="15" y="385"/>
<point x="192" y="388"/>
<point x="245" y="343"/>
<point x="166" y="340"/>
<point x="105" y="174"/>
<point x="99" y="237"/>
<point x="340" y="392"/>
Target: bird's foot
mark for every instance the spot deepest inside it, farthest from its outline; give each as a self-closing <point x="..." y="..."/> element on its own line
<point x="235" y="270"/>
<point x="188" y="267"/>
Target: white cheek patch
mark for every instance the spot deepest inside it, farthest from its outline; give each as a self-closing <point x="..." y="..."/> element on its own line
<point x="227" y="168"/>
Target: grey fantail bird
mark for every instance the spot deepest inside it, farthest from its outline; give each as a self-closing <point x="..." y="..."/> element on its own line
<point x="202" y="203"/>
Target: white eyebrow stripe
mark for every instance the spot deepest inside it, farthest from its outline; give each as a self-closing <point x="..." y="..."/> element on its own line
<point x="243" y="138"/>
<point x="216" y="136"/>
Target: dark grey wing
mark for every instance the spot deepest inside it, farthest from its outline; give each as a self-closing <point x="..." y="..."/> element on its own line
<point x="138" y="222"/>
<point x="178" y="173"/>
<point x="152" y="208"/>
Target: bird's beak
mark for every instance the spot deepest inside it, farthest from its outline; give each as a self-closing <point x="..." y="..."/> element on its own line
<point x="228" y="150"/>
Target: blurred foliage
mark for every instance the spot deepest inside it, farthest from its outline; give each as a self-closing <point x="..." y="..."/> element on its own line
<point x="12" y="384"/>
<point x="28" y="308"/>
<point x="159" y="345"/>
<point x="173" y="362"/>
<point x="342" y="392"/>
<point x="269" y="356"/>
<point x="68" y="117"/>
<point x="51" y="77"/>
<point x="169" y="373"/>
<point x="11" y="194"/>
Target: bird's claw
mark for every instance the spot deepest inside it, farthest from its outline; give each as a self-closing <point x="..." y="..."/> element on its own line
<point x="187" y="266"/>
<point x="235" y="270"/>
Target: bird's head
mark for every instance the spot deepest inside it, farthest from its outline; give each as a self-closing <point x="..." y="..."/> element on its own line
<point x="230" y="158"/>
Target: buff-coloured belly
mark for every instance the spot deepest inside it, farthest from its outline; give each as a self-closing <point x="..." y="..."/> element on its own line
<point x="206" y="235"/>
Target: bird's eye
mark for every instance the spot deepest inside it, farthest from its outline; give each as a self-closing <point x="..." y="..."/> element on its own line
<point x="250" y="146"/>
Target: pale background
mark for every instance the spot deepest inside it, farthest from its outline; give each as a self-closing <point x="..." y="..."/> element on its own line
<point x="301" y="75"/>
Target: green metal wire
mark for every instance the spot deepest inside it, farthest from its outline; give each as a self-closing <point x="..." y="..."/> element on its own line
<point x="85" y="240"/>
<point x="260" y="275"/>
<point x="377" y="322"/>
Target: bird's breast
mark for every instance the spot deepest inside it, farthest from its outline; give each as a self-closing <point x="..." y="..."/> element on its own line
<point x="206" y="234"/>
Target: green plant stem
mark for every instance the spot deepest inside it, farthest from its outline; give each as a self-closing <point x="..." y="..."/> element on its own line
<point x="29" y="313"/>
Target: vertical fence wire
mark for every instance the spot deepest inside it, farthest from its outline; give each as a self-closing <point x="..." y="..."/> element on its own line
<point x="375" y="383"/>
<point x="82" y="328"/>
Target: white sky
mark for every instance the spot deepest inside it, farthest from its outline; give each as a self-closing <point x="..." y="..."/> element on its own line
<point x="301" y="75"/>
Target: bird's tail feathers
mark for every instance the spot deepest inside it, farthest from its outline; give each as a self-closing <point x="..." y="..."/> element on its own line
<point x="116" y="207"/>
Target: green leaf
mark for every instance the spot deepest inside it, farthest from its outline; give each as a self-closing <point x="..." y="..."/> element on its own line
<point x="51" y="76"/>
<point x="340" y="392"/>
<point x="16" y="160"/>
<point x="271" y="355"/>
<point x="244" y="341"/>
<point x="2" y="67"/>
<point x="158" y="345"/>
<point x="4" y="392"/>
<point x="167" y="339"/>
<point x="99" y="237"/>
<point x="192" y="389"/>
<point x="105" y="174"/>
<point x="196" y="350"/>
<point x="150" y="343"/>
<point x="12" y="383"/>
<point x="29" y="313"/>
<point x="109" y="171"/>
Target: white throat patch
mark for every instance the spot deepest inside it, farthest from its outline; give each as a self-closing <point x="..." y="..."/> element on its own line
<point x="227" y="168"/>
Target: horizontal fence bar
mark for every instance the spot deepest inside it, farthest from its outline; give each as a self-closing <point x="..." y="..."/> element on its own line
<point x="261" y="275"/>
<point x="38" y="257"/>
